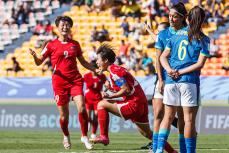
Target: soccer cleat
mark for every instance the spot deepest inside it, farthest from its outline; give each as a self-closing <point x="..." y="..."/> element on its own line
<point x="86" y="142"/>
<point x="101" y="139"/>
<point x="93" y="136"/>
<point x="66" y="142"/>
<point x="148" y="146"/>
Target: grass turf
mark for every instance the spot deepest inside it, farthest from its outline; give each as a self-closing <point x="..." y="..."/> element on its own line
<point x="51" y="142"/>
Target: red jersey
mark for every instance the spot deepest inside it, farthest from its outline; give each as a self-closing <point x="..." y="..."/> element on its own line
<point x="63" y="58"/>
<point x="119" y="76"/>
<point x="94" y="85"/>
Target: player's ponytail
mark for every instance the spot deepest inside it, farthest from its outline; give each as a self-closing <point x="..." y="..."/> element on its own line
<point x="196" y="18"/>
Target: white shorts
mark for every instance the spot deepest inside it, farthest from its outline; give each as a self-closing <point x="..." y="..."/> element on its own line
<point x="157" y="94"/>
<point x="181" y="94"/>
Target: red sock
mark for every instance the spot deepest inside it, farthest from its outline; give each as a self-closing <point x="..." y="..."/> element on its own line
<point x="103" y="118"/>
<point x="83" y="119"/>
<point x="64" y="127"/>
<point x="168" y="148"/>
<point x="94" y="126"/>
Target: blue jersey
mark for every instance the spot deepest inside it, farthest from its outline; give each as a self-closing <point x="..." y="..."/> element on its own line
<point x="184" y="53"/>
<point x="162" y="39"/>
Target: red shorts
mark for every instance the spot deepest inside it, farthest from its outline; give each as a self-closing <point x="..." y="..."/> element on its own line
<point x="134" y="110"/>
<point x="64" y="90"/>
<point x="91" y="105"/>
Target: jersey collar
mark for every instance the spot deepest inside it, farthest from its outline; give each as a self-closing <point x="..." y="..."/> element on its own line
<point x="173" y="31"/>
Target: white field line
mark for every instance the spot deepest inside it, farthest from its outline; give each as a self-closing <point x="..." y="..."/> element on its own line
<point x="124" y="151"/>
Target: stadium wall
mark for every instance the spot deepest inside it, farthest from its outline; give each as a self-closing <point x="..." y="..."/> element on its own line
<point x="214" y="88"/>
<point x="210" y="120"/>
<point x="21" y="106"/>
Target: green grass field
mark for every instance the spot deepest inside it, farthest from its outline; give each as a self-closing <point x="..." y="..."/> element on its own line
<point x="50" y="142"/>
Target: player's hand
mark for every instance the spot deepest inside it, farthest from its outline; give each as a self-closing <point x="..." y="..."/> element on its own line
<point x="161" y="87"/>
<point x="176" y="74"/>
<point x="173" y="74"/>
<point x="32" y="52"/>
<point x="105" y="95"/>
<point x="107" y="85"/>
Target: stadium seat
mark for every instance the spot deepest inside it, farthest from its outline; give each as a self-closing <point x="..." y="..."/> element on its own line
<point x="83" y="25"/>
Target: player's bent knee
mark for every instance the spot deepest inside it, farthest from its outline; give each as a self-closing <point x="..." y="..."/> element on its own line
<point x="102" y="104"/>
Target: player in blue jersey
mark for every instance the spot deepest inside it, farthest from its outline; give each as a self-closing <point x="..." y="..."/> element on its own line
<point x="177" y="17"/>
<point x="184" y="56"/>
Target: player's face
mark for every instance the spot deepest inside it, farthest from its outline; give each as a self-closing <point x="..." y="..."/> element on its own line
<point x="102" y="64"/>
<point x="175" y="20"/>
<point x="64" y="28"/>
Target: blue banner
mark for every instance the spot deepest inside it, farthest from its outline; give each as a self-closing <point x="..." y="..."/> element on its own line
<point x="212" y="88"/>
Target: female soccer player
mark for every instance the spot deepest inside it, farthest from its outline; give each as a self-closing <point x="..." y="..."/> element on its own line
<point x="177" y="17"/>
<point x="134" y="105"/>
<point x="184" y="56"/>
<point x="94" y="84"/>
<point x="66" y="79"/>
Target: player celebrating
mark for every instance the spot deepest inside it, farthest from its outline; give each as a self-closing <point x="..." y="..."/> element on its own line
<point x="134" y="105"/>
<point x="66" y="79"/>
<point x="94" y="84"/>
<point x="177" y="17"/>
<point x="184" y="56"/>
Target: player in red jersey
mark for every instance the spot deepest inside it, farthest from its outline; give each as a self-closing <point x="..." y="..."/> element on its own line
<point x="66" y="80"/>
<point x="134" y="105"/>
<point x="94" y="85"/>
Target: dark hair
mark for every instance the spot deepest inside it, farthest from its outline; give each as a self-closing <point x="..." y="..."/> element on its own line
<point x="196" y="18"/>
<point x="181" y="10"/>
<point x="106" y="52"/>
<point x="65" y="19"/>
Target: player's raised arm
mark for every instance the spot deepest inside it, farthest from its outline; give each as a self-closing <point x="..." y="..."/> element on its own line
<point x="37" y="59"/>
<point x="40" y="59"/>
<point x="86" y="64"/>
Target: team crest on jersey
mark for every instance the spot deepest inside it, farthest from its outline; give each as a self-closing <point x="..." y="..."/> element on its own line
<point x="74" y="47"/>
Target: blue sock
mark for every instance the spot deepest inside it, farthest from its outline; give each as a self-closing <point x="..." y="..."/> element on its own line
<point x="182" y="143"/>
<point x="190" y="145"/>
<point x="155" y="141"/>
<point x="162" y="138"/>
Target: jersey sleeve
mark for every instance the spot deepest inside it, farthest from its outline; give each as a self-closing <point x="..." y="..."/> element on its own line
<point x="159" y="43"/>
<point x="205" y="46"/>
<point x="47" y="50"/>
<point x="169" y="45"/>
<point x="119" y="77"/>
<point x="78" y="49"/>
